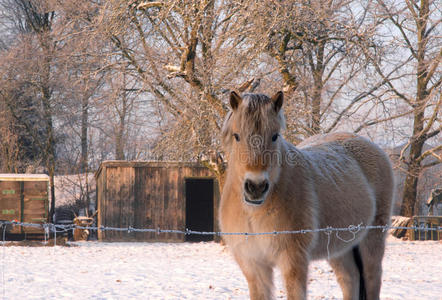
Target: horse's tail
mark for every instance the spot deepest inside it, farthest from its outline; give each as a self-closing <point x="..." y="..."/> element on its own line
<point x="358" y="261"/>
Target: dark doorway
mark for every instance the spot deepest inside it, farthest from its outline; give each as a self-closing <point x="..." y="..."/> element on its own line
<point x="199" y="208"/>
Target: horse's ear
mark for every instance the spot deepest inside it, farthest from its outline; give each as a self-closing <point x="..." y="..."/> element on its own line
<point x="235" y="100"/>
<point x="277" y="101"/>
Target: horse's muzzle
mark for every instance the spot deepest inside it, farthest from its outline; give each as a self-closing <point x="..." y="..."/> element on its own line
<point x="254" y="192"/>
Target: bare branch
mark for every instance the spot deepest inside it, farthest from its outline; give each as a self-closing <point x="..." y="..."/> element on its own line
<point x="431" y="152"/>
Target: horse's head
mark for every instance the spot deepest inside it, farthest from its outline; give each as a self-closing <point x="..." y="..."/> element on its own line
<point x="251" y="137"/>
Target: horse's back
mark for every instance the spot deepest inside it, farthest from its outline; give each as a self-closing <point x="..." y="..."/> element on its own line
<point x="372" y="160"/>
<point x="320" y="139"/>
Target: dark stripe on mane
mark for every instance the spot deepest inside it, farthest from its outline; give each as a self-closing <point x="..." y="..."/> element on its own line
<point x="255" y="101"/>
<point x="256" y="114"/>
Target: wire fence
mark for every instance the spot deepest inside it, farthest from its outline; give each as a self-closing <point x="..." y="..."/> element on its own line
<point x="54" y="229"/>
<point x="354" y="229"/>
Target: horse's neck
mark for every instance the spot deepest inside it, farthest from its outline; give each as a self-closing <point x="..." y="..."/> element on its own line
<point x="293" y="163"/>
<point x="293" y="157"/>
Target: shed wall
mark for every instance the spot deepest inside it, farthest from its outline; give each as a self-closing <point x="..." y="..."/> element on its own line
<point x="24" y="198"/>
<point x="146" y="195"/>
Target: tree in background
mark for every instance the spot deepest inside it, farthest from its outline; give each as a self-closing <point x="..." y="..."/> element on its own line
<point x="322" y="51"/>
<point x="184" y="55"/>
<point x="141" y="79"/>
<point x="417" y="48"/>
<point x="19" y="153"/>
<point x="30" y="76"/>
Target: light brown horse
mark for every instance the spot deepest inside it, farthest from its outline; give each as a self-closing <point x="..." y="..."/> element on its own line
<point x="335" y="180"/>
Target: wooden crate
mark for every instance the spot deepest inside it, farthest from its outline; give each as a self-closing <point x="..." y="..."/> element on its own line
<point x="24" y="198"/>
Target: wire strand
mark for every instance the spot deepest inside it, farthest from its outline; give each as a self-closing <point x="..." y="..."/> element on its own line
<point x="354" y="229"/>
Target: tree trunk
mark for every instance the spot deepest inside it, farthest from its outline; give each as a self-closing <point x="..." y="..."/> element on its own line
<point x="84" y="125"/>
<point x="318" y="72"/>
<point x="409" y="199"/>
<point x="50" y="149"/>
<point x="46" y="91"/>
<point x="52" y="190"/>
<point x="408" y="206"/>
<point x="316" y="108"/>
<point x="119" y="144"/>
<point x="414" y="169"/>
<point x="50" y="154"/>
<point x="119" y="149"/>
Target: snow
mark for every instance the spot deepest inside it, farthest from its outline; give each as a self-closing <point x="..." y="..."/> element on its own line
<point x="95" y="270"/>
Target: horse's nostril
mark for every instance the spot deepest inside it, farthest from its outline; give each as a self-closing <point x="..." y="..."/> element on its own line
<point x="256" y="190"/>
<point x="263" y="187"/>
<point x="266" y="187"/>
<point x="249" y="186"/>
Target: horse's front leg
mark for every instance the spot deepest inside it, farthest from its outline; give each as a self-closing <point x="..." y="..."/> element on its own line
<point x="294" y="269"/>
<point x="259" y="277"/>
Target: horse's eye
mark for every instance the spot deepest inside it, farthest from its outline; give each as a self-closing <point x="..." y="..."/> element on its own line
<point x="275" y="137"/>
<point x="236" y="137"/>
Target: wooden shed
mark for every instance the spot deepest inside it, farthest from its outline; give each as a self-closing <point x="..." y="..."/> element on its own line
<point x="24" y="198"/>
<point x="165" y="195"/>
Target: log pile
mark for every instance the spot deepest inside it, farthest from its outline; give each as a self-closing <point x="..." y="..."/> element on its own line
<point x="399" y="221"/>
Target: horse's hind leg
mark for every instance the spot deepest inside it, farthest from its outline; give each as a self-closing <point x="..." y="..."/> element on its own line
<point x="372" y="247"/>
<point x="347" y="274"/>
<point x="259" y="278"/>
<point x="372" y="251"/>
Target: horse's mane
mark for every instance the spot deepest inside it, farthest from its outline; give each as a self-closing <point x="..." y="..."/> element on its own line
<point x="255" y="118"/>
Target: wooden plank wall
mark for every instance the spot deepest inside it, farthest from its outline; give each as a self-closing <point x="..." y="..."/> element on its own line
<point x="10" y="204"/>
<point x="142" y="218"/>
<point x="118" y="201"/>
<point x="146" y="196"/>
<point x="35" y="204"/>
<point x="24" y="201"/>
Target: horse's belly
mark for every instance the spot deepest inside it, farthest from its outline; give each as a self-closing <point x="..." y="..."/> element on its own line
<point x="347" y="209"/>
<point x="334" y="243"/>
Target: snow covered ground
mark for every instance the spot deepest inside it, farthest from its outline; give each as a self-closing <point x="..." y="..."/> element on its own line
<point x="93" y="270"/>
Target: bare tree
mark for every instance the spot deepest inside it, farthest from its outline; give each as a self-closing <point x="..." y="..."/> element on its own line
<point x="36" y="47"/>
<point x="184" y="54"/>
<point x="118" y="106"/>
<point x="318" y="50"/>
<point x="83" y="79"/>
<point x="149" y="79"/>
<point x="417" y="84"/>
<point x="10" y="156"/>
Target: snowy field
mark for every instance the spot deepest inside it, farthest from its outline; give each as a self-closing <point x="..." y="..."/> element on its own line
<point x="93" y="270"/>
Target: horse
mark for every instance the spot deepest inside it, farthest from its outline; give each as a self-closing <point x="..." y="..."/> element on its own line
<point x="334" y="180"/>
